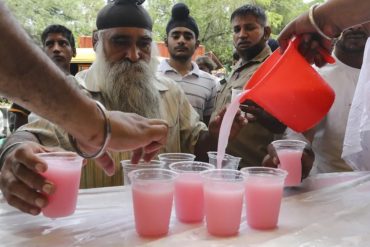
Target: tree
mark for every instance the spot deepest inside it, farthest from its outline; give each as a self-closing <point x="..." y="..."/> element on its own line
<point x="34" y="15"/>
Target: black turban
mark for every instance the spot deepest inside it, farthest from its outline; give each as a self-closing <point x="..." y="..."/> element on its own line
<point x="124" y="13"/>
<point x="180" y="18"/>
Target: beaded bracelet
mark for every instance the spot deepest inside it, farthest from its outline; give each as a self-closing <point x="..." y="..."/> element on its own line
<point x="107" y="136"/>
<point x="313" y="23"/>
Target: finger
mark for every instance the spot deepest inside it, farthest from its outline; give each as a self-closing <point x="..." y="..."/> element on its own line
<point x="273" y="154"/>
<point x="26" y="194"/>
<point x="153" y="147"/>
<point x="149" y="156"/>
<point x="106" y="163"/>
<point x="286" y="35"/>
<point x="23" y="206"/>
<point x="136" y="155"/>
<point x="32" y="179"/>
<point x="27" y="157"/>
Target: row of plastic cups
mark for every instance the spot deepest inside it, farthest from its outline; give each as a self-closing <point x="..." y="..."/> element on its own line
<point x="166" y="159"/>
<point x="200" y="190"/>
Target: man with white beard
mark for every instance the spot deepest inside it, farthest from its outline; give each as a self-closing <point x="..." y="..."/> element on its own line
<point x="125" y="69"/>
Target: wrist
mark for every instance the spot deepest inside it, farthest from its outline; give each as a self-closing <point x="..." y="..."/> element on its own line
<point x="324" y="21"/>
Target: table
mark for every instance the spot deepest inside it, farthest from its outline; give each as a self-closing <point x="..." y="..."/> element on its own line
<point x="326" y="210"/>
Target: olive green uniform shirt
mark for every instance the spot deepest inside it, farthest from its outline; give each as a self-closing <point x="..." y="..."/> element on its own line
<point x="251" y="142"/>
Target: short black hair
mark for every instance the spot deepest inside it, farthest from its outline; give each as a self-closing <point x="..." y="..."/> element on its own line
<point x="59" y="29"/>
<point x="250" y="9"/>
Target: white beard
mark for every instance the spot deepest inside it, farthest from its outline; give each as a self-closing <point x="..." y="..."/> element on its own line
<point x="128" y="86"/>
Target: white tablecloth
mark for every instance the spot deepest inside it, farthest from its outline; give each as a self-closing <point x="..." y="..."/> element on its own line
<point x="326" y="210"/>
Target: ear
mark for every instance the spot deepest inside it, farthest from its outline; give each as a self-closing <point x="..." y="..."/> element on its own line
<point x="74" y="53"/>
<point x="166" y="41"/>
<point x="266" y="32"/>
<point x="197" y="43"/>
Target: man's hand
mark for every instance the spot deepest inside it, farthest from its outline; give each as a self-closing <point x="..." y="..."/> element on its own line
<point x="20" y="181"/>
<point x="272" y="160"/>
<point x="238" y="122"/>
<point x="256" y="113"/>
<point x="132" y="132"/>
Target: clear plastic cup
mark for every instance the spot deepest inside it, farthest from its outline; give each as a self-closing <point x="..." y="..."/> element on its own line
<point x="152" y="193"/>
<point x="170" y="158"/>
<point x="289" y="153"/>
<point x="228" y="162"/>
<point x="128" y="167"/>
<point x="189" y="202"/>
<point x="263" y="193"/>
<point x="64" y="171"/>
<point x="223" y="201"/>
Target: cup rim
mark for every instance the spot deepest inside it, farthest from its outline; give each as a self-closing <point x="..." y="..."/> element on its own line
<point x="172" y="175"/>
<point x="127" y="163"/>
<point x="213" y="154"/>
<point x="189" y="163"/>
<point x="288" y="143"/>
<point x="59" y="154"/>
<point x="263" y="171"/>
<point x="182" y="156"/>
<point x="206" y="175"/>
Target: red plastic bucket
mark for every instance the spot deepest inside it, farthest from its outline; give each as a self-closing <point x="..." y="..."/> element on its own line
<point x="288" y="88"/>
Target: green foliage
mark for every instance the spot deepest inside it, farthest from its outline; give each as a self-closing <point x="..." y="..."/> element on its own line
<point x="77" y="15"/>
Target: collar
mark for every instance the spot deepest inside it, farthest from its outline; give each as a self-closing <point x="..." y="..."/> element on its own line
<point x="165" y="67"/>
<point x="261" y="57"/>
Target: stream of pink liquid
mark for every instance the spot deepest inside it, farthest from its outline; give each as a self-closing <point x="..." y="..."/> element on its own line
<point x="226" y="124"/>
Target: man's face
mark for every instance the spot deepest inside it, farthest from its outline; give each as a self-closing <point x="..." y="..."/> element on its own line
<point x="248" y="33"/>
<point x="126" y="71"/>
<point x="181" y="43"/>
<point x="127" y="43"/>
<point x="58" y="48"/>
<point x="353" y="39"/>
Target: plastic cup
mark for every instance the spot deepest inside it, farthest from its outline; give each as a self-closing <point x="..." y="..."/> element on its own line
<point x="223" y="201"/>
<point x="170" y="158"/>
<point x="152" y="193"/>
<point x="228" y="162"/>
<point x="290" y="157"/>
<point x="263" y="193"/>
<point x="64" y="171"/>
<point x="128" y="167"/>
<point x="189" y="202"/>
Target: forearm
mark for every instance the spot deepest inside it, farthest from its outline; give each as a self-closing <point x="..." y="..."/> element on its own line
<point x="336" y="15"/>
<point x="28" y="77"/>
<point x="206" y="142"/>
<point x="17" y="137"/>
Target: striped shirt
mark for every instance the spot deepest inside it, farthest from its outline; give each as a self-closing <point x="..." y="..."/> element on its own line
<point x="199" y="87"/>
<point x="184" y="130"/>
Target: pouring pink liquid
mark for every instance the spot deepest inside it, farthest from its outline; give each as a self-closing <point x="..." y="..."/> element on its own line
<point x="225" y="129"/>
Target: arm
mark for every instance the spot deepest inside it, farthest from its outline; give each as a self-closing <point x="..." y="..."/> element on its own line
<point x="332" y="17"/>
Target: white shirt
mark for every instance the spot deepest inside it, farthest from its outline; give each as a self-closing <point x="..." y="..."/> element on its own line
<point x="199" y="87"/>
<point x="329" y="133"/>
<point x="356" y="149"/>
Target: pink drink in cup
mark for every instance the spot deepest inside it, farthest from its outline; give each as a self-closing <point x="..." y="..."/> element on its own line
<point x="64" y="171"/>
<point x="290" y="155"/>
<point x="263" y="193"/>
<point x="223" y="201"/>
<point x="152" y="193"/>
<point x="189" y="190"/>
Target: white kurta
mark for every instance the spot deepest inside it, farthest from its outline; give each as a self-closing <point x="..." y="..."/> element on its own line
<point x="356" y="148"/>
